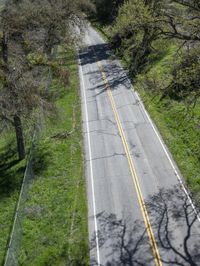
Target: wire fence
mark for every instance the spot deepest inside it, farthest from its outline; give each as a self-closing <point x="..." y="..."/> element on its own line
<point x="17" y="229"/>
<point x="14" y="245"/>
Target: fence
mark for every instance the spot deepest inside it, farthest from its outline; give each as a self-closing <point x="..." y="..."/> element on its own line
<point x="16" y="233"/>
<point x="17" y="229"/>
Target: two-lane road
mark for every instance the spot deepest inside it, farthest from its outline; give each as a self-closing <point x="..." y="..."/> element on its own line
<point x="139" y="213"/>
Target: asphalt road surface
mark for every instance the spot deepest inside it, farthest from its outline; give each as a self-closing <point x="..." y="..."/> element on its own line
<point x="139" y="211"/>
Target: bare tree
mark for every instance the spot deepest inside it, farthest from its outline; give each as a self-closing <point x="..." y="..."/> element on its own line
<point x="31" y="29"/>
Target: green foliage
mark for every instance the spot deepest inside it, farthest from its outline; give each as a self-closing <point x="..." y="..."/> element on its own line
<point x="186" y="77"/>
<point x="134" y="32"/>
<point x="140" y="24"/>
<point x="158" y="76"/>
<point x="60" y="71"/>
<point x="36" y="59"/>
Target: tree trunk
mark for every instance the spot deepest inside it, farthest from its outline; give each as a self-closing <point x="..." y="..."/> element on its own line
<point x="5" y="47"/>
<point x="19" y="137"/>
<point x="16" y="119"/>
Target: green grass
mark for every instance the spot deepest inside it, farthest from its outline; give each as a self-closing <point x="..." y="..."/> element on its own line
<point x="11" y="174"/>
<point x="55" y="227"/>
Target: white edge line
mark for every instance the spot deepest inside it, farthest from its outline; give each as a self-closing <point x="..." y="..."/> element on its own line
<point x="168" y="156"/>
<point x="90" y="159"/>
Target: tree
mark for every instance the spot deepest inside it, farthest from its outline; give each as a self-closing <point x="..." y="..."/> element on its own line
<point x="135" y="30"/>
<point x="141" y="22"/>
<point x="107" y="10"/>
<point x="181" y="19"/>
<point x="19" y="94"/>
<point x="27" y="40"/>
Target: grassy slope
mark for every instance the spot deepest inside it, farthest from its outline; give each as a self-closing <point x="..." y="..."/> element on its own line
<point x="55" y="229"/>
<point x="11" y="174"/>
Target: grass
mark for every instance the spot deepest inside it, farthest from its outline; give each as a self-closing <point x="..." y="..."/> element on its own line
<point x="11" y="174"/>
<point x="55" y="227"/>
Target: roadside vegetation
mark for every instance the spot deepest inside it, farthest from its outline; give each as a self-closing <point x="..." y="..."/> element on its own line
<point x="159" y="44"/>
<point x="55" y="225"/>
<point x="38" y="85"/>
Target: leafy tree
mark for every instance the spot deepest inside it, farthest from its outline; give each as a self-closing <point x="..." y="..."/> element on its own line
<point x="181" y="19"/>
<point x="135" y="31"/>
<point x="185" y="83"/>
<point x="142" y="22"/>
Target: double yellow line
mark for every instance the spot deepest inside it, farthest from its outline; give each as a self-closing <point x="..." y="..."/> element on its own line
<point x="148" y="226"/>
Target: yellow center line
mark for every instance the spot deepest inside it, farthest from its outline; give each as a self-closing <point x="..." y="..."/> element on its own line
<point x="145" y="215"/>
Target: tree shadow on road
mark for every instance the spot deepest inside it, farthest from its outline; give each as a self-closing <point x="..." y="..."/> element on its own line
<point x="175" y="226"/>
<point x="90" y="54"/>
<point x="115" y="75"/>
<point x="125" y="241"/>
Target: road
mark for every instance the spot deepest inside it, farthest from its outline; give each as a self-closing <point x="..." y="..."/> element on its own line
<point x="139" y="211"/>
